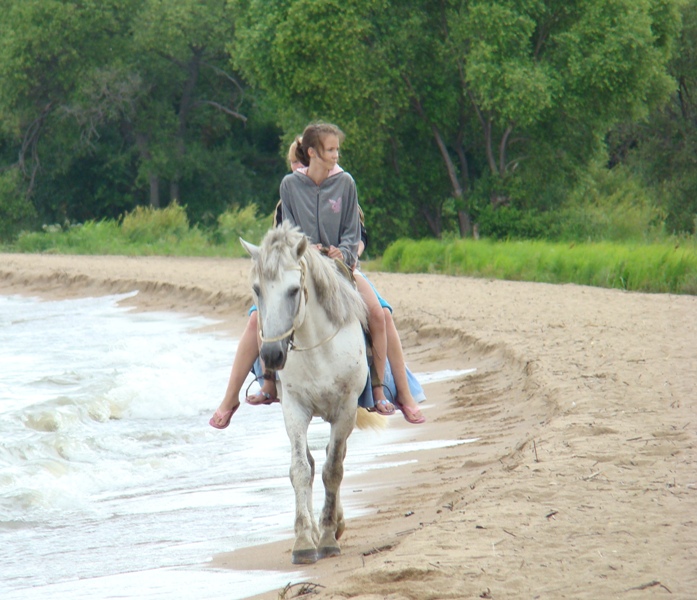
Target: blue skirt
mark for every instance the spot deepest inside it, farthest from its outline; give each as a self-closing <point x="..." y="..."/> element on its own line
<point x="366" y="398"/>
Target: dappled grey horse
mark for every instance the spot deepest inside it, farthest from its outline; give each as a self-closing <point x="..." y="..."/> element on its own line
<point x="311" y="321"/>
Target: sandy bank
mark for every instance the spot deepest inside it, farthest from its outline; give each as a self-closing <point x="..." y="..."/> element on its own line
<point x="584" y="482"/>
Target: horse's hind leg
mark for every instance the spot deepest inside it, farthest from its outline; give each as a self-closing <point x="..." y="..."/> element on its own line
<point x="332" y="519"/>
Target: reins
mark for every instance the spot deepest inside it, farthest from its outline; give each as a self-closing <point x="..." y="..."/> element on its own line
<point x="292" y="346"/>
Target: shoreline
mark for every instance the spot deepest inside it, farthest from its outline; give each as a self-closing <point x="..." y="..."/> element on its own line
<point x="583" y="484"/>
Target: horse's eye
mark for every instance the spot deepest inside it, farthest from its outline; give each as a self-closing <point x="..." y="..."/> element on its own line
<point x="256" y="290"/>
<point x="293" y="292"/>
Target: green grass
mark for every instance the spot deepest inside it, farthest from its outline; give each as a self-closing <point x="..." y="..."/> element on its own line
<point x="657" y="267"/>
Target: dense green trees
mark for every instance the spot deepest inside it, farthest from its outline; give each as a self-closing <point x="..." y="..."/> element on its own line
<point x="460" y="114"/>
<point x="108" y="104"/>
<point x="662" y="150"/>
<point x="46" y="50"/>
<point x="502" y="94"/>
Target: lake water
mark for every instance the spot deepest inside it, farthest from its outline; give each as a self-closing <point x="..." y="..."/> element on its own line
<point x="112" y="483"/>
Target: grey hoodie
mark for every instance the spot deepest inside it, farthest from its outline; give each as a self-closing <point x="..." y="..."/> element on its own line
<point x="327" y="213"/>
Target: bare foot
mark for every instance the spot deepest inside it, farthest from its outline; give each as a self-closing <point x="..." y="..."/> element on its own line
<point x="267" y="395"/>
<point x="382" y="404"/>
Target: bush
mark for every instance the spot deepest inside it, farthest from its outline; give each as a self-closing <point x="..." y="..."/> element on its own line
<point x="509" y="222"/>
<point x="236" y="223"/>
<point x="148" y="225"/>
<point x="401" y="257"/>
<point x="94" y="237"/>
<point x="148" y="231"/>
<point x="608" y="205"/>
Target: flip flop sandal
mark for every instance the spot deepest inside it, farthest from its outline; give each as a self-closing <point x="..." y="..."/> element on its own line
<point x="411" y="415"/>
<point x="260" y="397"/>
<point x="223" y="416"/>
<point x="384" y="407"/>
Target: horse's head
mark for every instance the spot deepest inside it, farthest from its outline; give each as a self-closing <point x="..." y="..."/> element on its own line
<point x="278" y="284"/>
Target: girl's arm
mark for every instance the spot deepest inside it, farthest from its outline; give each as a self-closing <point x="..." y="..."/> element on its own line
<point x="350" y="233"/>
<point x="286" y="208"/>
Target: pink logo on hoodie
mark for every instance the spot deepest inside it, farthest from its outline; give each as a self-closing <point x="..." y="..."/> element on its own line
<point x="335" y="204"/>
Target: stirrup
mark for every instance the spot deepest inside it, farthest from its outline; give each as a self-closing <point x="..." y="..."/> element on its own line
<point x="385" y="387"/>
<point x="268" y="376"/>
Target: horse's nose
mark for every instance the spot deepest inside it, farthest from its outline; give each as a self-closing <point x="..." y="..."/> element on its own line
<point x="273" y="354"/>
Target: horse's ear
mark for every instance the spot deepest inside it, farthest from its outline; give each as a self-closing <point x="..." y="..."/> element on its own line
<point x="251" y="249"/>
<point x="301" y="247"/>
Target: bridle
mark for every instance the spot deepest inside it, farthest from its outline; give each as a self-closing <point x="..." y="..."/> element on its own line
<point x="290" y="333"/>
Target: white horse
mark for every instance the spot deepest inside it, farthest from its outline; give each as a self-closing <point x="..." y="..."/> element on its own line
<point x="312" y="321"/>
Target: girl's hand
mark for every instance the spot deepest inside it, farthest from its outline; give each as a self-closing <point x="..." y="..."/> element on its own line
<point x="334" y="252"/>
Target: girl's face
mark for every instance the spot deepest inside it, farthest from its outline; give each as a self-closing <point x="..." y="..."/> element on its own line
<point x="328" y="156"/>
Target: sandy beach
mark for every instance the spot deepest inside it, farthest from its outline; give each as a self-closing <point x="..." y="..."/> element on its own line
<point x="583" y="483"/>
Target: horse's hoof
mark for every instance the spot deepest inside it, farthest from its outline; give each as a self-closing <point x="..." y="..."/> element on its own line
<point x="328" y="551"/>
<point x="304" y="557"/>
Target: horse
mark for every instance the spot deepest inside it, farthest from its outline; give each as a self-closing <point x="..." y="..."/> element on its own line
<point x="312" y="324"/>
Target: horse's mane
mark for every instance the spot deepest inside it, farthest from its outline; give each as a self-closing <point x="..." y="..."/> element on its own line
<point x="339" y="298"/>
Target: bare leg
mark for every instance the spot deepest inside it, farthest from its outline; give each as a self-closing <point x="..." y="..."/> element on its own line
<point x="247" y="352"/>
<point x="376" y="322"/>
<point x="395" y="354"/>
<point x="267" y="394"/>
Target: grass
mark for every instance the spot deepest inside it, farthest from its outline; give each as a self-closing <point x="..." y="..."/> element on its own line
<point x="657" y="267"/>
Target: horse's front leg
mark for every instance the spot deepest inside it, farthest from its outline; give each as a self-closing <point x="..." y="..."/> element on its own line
<point x="332" y="519"/>
<point x="301" y="475"/>
<point x="315" y="528"/>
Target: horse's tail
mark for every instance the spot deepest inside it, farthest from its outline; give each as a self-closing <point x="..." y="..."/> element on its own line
<point x="366" y="419"/>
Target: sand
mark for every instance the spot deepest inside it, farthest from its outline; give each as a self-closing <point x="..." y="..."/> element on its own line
<point x="583" y="483"/>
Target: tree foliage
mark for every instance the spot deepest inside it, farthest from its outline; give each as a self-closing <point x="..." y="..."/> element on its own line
<point x="662" y="149"/>
<point x="455" y="110"/>
<point x="497" y="91"/>
<point x="106" y="105"/>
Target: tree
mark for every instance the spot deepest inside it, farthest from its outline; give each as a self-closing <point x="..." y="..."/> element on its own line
<point x="507" y="90"/>
<point x="662" y="149"/>
<point x="47" y="50"/>
<point x="104" y="102"/>
<point x="180" y="53"/>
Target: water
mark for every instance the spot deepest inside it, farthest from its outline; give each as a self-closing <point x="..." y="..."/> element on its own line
<point x="112" y="483"/>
